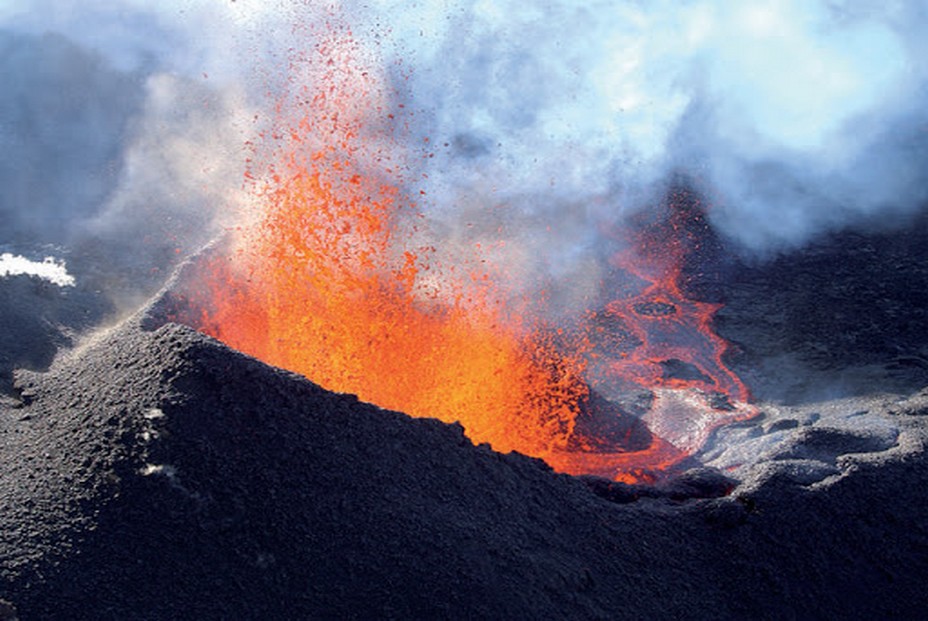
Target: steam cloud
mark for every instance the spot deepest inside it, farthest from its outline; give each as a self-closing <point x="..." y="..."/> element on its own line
<point x="796" y="117"/>
<point x="49" y="269"/>
<point x="122" y="126"/>
<point x="115" y="149"/>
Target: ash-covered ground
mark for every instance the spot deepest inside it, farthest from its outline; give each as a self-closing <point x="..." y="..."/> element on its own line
<point x="152" y="473"/>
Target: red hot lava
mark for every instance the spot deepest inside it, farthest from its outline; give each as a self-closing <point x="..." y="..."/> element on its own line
<point x="323" y="282"/>
<point x="653" y="336"/>
<point x="677" y="345"/>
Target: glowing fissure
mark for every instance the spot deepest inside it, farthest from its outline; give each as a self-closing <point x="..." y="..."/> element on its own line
<point x="324" y="282"/>
<point x="670" y="329"/>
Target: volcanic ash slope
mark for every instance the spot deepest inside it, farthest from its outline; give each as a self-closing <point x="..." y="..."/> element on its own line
<point x="157" y="474"/>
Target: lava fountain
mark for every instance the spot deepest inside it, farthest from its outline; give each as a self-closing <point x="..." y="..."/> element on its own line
<point x="326" y="281"/>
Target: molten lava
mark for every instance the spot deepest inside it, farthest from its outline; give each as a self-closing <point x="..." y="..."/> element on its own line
<point x="321" y="284"/>
<point x="674" y="344"/>
<point x="324" y="282"/>
<point x="653" y="336"/>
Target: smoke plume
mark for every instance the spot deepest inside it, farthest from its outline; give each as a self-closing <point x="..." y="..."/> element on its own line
<point x="124" y="126"/>
<point x="795" y="117"/>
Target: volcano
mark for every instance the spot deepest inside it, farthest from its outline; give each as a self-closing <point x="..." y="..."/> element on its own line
<point x="151" y="472"/>
<point x="489" y="310"/>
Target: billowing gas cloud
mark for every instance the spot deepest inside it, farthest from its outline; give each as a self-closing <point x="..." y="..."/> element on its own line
<point x="795" y="116"/>
<point x="123" y="125"/>
<point x="116" y="147"/>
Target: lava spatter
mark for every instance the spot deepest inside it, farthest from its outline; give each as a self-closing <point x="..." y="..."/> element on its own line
<point x="325" y="280"/>
<point x="325" y="284"/>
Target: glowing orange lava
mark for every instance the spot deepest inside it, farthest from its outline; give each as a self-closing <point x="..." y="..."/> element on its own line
<point x="324" y="282"/>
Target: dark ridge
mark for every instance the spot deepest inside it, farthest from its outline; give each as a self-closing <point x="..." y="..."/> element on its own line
<point x="691" y="483"/>
<point x="164" y="453"/>
<point x="606" y="425"/>
<point x="156" y="474"/>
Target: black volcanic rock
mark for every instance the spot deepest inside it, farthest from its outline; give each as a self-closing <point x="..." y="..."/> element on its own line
<point x="846" y="315"/>
<point x="153" y="473"/>
<point x="156" y="474"/>
<point x="161" y="475"/>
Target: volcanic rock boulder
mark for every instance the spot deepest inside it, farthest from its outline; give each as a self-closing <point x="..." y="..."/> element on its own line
<point x="153" y="473"/>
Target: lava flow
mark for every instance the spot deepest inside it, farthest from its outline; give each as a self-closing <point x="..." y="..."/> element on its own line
<point x="673" y="344"/>
<point x="324" y="282"/>
<point x="655" y="344"/>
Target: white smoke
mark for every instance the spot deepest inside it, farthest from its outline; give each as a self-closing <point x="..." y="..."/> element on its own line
<point x="124" y="123"/>
<point x="55" y="272"/>
<point x="796" y="116"/>
<point x="124" y="131"/>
